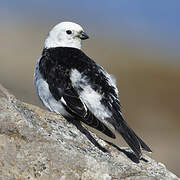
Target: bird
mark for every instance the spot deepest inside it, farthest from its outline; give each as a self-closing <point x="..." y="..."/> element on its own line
<point x="70" y="83"/>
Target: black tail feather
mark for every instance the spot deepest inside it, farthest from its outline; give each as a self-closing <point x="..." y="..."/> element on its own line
<point x="143" y="145"/>
<point x="132" y="139"/>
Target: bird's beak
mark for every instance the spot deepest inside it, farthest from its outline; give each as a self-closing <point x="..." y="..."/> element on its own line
<point x="83" y="35"/>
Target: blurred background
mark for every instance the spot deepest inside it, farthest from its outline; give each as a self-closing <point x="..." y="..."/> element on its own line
<point x="138" y="41"/>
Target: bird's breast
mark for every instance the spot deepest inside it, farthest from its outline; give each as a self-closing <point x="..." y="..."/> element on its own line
<point x="43" y="91"/>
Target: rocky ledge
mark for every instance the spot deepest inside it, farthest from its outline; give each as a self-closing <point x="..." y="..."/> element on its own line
<point x="37" y="144"/>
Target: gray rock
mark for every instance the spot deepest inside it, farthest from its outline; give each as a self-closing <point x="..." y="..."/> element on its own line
<point x="37" y="144"/>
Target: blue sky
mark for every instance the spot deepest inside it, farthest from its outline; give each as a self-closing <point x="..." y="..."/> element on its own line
<point x="156" y="22"/>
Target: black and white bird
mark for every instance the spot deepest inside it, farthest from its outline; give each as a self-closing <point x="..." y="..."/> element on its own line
<point x="70" y="83"/>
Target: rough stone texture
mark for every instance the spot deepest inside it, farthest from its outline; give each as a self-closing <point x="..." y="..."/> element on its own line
<point x="37" y="144"/>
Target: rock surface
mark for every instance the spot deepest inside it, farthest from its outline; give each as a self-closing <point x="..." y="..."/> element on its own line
<point x="37" y="144"/>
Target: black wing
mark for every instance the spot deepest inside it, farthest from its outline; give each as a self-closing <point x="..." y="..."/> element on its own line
<point x="79" y="110"/>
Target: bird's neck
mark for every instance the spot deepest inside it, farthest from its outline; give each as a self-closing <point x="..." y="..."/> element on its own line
<point x="52" y="43"/>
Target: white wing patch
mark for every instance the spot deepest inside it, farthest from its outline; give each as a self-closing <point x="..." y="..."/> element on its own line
<point x="90" y="97"/>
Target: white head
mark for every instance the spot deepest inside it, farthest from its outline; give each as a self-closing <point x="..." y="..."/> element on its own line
<point x="65" y="34"/>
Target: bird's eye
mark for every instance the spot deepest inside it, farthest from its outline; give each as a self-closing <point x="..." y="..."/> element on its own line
<point x="69" y="32"/>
